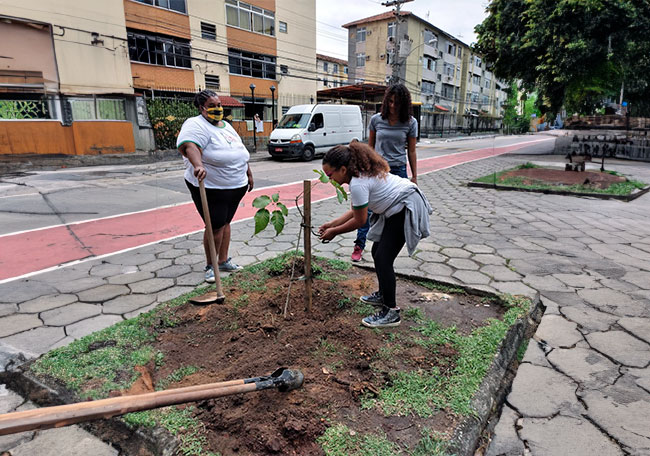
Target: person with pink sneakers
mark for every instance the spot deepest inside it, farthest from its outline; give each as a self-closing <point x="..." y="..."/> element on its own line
<point x="393" y="134"/>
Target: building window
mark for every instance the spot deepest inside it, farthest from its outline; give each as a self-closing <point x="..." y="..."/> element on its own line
<point x="486" y="99"/>
<point x="282" y="27"/>
<point x="248" y="17"/>
<point x="159" y="50"/>
<point x="478" y="62"/>
<point x="335" y="68"/>
<point x="428" y="63"/>
<point x="392" y="29"/>
<point x="428" y="87"/>
<point x="326" y="82"/>
<point x="447" y="91"/>
<point x="460" y="52"/>
<point x="97" y="109"/>
<point x="451" y="48"/>
<point x="448" y="69"/>
<point x="429" y="36"/>
<point x="251" y="64"/>
<point x="361" y="34"/>
<point x="284" y="69"/>
<point x="208" y="31"/>
<point x="476" y="79"/>
<point x="487" y="83"/>
<point x="474" y="97"/>
<point x="173" y="5"/>
<point x="325" y="67"/>
<point x="212" y="82"/>
<point x="345" y="69"/>
<point x="361" y="59"/>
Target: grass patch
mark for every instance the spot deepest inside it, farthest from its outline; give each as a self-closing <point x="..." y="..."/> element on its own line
<point x="176" y="376"/>
<point x="414" y="313"/>
<point x="619" y="188"/>
<point x="339" y="440"/>
<point x="431" y="444"/>
<point x="179" y="422"/>
<point x="422" y="392"/>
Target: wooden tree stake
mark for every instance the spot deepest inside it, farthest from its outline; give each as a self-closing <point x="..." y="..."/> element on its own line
<point x="307" y="226"/>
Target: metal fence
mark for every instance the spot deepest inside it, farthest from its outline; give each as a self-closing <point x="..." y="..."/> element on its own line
<point x="435" y="123"/>
<point x="24" y="108"/>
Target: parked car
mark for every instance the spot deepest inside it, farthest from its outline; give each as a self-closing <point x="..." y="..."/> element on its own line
<point x="307" y="130"/>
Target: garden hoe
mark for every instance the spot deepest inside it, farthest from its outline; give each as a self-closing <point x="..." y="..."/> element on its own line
<point x="282" y="379"/>
<point x="217" y="295"/>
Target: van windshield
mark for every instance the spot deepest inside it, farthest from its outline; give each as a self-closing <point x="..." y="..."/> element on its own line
<point x="294" y="121"/>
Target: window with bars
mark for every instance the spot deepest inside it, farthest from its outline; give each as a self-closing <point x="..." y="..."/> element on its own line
<point x="251" y="64"/>
<point x="249" y="17"/>
<point x="282" y="27"/>
<point x="97" y="109"/>
<point x="159" y="50"/>
<point x="428" y="87"/>
<point x="212" y="82"/>
<point x="325" y="67"/>
<point x="392" y="29"/>
<point x="173" y="5"/>
<point x="428" y="63"/>
<point x="208" y="31"/>
<point x="361" y="59"/>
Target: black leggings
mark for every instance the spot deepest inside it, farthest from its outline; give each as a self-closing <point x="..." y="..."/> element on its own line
<point x="384" y="253"/>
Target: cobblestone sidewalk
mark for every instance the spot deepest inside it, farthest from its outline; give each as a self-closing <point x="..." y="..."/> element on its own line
<point x="583" y="388"/>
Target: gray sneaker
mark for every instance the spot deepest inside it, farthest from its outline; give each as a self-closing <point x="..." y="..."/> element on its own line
<point x="375" y="298"/>
<point x="209" y="274"/>
<point x="385" y="318"/>
<point x="229" y="266"/>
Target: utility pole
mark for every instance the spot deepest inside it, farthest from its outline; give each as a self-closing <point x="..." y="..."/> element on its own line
<point x="396" y="64"/>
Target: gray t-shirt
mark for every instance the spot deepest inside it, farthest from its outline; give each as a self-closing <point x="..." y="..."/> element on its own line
<point x="391" y="140"/>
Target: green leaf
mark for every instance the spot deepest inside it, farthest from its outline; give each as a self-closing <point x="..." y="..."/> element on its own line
<point x="261" y="220"/>
<point x="340" y="196"/>
<point x="322" y="176"/>
<point x="275" y="197"/>
<point x="277" y="220"/>
<point x="261" y="202"/>
<point x="283" y="208"/>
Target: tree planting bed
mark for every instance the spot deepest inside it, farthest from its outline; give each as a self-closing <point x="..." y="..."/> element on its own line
<point x="426" y="387"/>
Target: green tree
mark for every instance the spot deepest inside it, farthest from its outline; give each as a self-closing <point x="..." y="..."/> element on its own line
<point x="570" y="51"/>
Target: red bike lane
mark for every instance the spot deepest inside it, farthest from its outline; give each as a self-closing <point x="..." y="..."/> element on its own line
<point x="27" y="253"/>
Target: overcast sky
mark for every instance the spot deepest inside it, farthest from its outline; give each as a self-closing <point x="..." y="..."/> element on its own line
<point x="456" y="17"/>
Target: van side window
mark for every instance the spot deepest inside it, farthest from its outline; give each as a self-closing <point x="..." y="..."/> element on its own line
<point x="318" y="121"/>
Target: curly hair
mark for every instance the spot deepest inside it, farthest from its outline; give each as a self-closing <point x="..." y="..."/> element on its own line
<point x="402" y="100"/>
<point x="201" y="97"/>
<point x="359" y="158"/>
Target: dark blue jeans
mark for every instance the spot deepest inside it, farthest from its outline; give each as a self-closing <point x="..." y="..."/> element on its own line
<point x="362" y="233"/>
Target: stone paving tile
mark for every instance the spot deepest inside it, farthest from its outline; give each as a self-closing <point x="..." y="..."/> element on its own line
<point x="170" y="254"/>
<point x="455" y="253"/>
<point x="589" y="318"/>
<point x="585" y="366"/>
<point x="535" y="354"/>
<point x="8" y="309"/>
<point x="126" y="304"/>
<point x="75" y="286"/>
<point x="17" y="323"/>
<point x="639" y="327"/>
<point x="461" y="263"/>
<point x="558" y="332"/>
<point x="500" y="273"/>
<point x="613" y="301"/>
<point x="103" y="293"/>
<point x="69" y="441"/>
<point x="71" y="313"/>
<point x="106" y="270"/>
<point x="155" y="265"/>
<point x="151" y="285"/>
<point x="36" y="341"/>
<point x="559" y="436"/>
<point x="489" y="259"/>
<point x="24" y="290"/>
<point x="578" y="280"/>
<point x="131" y="277"/>
<point x="174" y="271"/>
<point x="471" y="277"/>
<point x="46" y="303"/>
<point x="622" y="347"/>
<point x="514" y="288"/>
<point x="639" y="278"/>
<point x="171" y="293"/>
<point x="544" y="283"/>
<point x="189" y="259"/>
<point x="553" y="392"/>
<point x="90" y="325"/>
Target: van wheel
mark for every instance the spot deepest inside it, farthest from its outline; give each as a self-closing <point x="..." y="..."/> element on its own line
<point x="308" y="153"/>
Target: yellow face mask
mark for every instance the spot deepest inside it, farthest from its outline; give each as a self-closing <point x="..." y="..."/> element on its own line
<point x="215" y="114"/>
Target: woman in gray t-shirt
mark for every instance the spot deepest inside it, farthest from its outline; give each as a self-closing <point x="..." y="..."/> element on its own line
<point x="393" y="133"/>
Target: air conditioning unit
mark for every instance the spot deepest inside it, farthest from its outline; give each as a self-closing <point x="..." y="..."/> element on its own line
<point x="448" y="78"/>
<point x="382" y="56"/>
<point x="367" y="57"/>
<point x="369" y="32"/>
<point x="391" y="39"/>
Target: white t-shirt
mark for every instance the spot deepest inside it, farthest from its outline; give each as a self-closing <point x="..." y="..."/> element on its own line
<point x="378" y="193"/>
<point x="224" y="156"/>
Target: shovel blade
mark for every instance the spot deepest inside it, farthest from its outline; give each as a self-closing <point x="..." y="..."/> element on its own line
<point x="211" y="297"/>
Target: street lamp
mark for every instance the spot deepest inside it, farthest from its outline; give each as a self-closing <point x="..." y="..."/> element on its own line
<point x="252" y="87"/>
<point x="273" y="104"/>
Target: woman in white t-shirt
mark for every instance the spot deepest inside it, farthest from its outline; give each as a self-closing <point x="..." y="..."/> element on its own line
<point x="214" y="153"/>
<point x="400" y="215"/>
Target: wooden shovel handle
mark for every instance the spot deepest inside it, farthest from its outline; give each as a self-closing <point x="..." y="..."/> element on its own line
<point x="210" y="234"/>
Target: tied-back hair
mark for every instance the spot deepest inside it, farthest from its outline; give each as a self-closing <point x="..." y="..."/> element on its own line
<point x="201" y="97"/>
<point x="402" y="100"/>
<point x="359" y="158"/>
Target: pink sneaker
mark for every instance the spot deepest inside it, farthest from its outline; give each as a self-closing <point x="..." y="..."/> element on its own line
<point x="356" y="253"/>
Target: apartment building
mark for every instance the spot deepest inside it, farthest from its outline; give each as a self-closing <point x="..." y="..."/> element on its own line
<point x="332" y="72"/>
<point x="441" y="72"/>
<point x="76" y="62"/>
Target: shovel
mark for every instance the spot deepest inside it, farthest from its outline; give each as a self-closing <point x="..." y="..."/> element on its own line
<point x="282" y="379"/>
<point x="217" y="295"/>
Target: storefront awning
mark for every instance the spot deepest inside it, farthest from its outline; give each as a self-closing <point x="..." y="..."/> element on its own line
<point x="440" y="108"/>
<point x="230" y="102"/>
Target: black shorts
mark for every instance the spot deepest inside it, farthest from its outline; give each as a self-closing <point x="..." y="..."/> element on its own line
<point x="222" y="203"/>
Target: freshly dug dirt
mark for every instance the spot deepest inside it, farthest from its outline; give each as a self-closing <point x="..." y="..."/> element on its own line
<point x="595" y="179"/>
<point x="341" y="360"/>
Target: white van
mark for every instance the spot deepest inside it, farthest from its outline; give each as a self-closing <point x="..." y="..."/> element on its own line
<point x="307" y="130"/>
